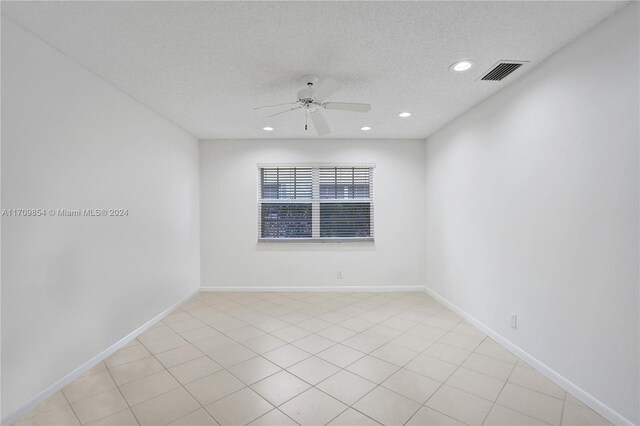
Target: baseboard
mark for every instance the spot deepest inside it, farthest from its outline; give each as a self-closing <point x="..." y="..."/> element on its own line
<point x="48" y="392"/>
<point x="598" y="406"/>
<point x="327" y="288"/>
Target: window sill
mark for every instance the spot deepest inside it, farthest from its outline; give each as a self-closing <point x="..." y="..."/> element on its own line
<point x="315" y="240"/>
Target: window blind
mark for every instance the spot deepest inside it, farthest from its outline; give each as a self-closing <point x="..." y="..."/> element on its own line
<point x="307" y="203"/>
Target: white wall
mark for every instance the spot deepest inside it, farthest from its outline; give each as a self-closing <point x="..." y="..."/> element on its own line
<point x="231" y="256"/>
<point x="532" y="208"/>
<point x="73" y="286"/>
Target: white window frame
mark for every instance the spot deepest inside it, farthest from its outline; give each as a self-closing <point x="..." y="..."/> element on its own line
<point x="315" y="204"/>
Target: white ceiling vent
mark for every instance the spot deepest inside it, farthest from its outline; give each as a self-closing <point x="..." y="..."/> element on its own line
<point x="501" y="70"/>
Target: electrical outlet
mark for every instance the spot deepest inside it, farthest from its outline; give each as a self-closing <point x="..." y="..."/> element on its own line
<point x="339" y="273"/>
<point x="514" y="320"/>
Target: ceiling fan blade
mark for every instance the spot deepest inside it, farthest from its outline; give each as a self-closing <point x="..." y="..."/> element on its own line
<point x="282" y="112"/>
<point x="346" y="106"/>
<point x="269" y="106"/>
<point x="320" y="123"/>
<point x="326" y="88"/>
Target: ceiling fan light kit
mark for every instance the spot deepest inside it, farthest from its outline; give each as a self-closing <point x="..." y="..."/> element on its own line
<point x="312" y="100"/>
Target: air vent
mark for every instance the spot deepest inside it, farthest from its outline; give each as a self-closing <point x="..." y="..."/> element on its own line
<point x="501" y="70"/>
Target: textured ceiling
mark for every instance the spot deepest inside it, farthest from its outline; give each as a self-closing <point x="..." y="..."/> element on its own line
<point x="205" y="65"/>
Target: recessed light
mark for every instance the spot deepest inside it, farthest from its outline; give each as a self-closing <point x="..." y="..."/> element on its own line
<point x="268" y="129"/>
<point x="461" y="66"/>
<point x="404" y="114"/>
<point x="365" y="128"/>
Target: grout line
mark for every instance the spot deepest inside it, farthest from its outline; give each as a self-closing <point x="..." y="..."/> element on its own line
<point x="123" y="398"/>
<point x="70" y="406"/>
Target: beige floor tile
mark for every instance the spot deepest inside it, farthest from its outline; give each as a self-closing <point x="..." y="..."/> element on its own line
<point x="412" y="385"/>
<point x="351" y="417"/>
<point x="198" y="334"/>
<point x="468" y="330"/>
<point x="346" y="387"/>
<point x="428" y="417"/>
<point x="461" y="341"/>
<point x="313" y="343"/>
<point x="364" y="343"/>
<point x="57" y="416"/>
<point x="274" y="418"/>
<point x="280" y="387"/>
<point x="88" y="385"/>
<point x="570" y="398"/>
<point x="313" y="407"/>
<point x="253" y="370"/>
<point x="531" y="379"/>
<point x="264" y="343"/>
<point x="314" y="324"/>
<point x="194" y="369"/>
<point x="313" y="370"/>
<point x="399" y="323"/>
<point x="286" y="356"/>
<point x="57" y="400"/>
<point x="101" y="366"/>
<point x="165" y="344"/>
<point x="431" y="367"/>
<point x="213" y="387"/>
<point x="531" y="403"/>
<point x="123" y="418"/>
<point x="186" y="325"/>
<point x="272" y="325"/>
<point x="199" y="417"/>
<point x="382" y="332"/>
<point x="459" y="405"/>
<point x="336" y="333"/>
<point x="581" y="415"/>
<point x="494" y="350"/>
<point x="125" y="355"/>
<point x="291" y="333"/>
<point x="340" y="355"/>
<point x="412" y="342"/>
<point x="447" y="353"/>
<point x="239" y="408"/>
<point x="245" y="333"/>
<point x="228" y="325"/>
<point x="443" y="323"/>
<point x="387" y="407"/>
<point x="479" y="384"/>
<point x="427" y="332"/>
<point x="99" y="406"/>
<point x="176" y="316"/>
<point x="165" y="408"/>
<point x="357" y="324"/>
<point x="179" y="355"/>
<point x="214" y="344"/>
<point x="394" y="354"/>
<point x="148" y="387"/>
<point x="131" y="371"/>
<point x="490" y="366"/>
<point x="504" y="416"/>
<point x="156" y="333"/>
<point x="232" y="355"/>
<point x="373" y="369"/>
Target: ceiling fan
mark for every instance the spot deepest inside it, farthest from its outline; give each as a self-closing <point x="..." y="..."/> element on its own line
<point x="312" y="101"/>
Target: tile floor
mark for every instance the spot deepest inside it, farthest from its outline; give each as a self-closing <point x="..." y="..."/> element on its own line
<point x="312" y="359"/>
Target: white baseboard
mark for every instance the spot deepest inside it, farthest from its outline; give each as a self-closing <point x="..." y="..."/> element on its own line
<point x="327" y="288"/>
<point x="48" y="392"/>
<point x="582" y="395"/>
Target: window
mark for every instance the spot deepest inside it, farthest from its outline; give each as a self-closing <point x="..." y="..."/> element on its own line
<point x="309" y="203"/>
